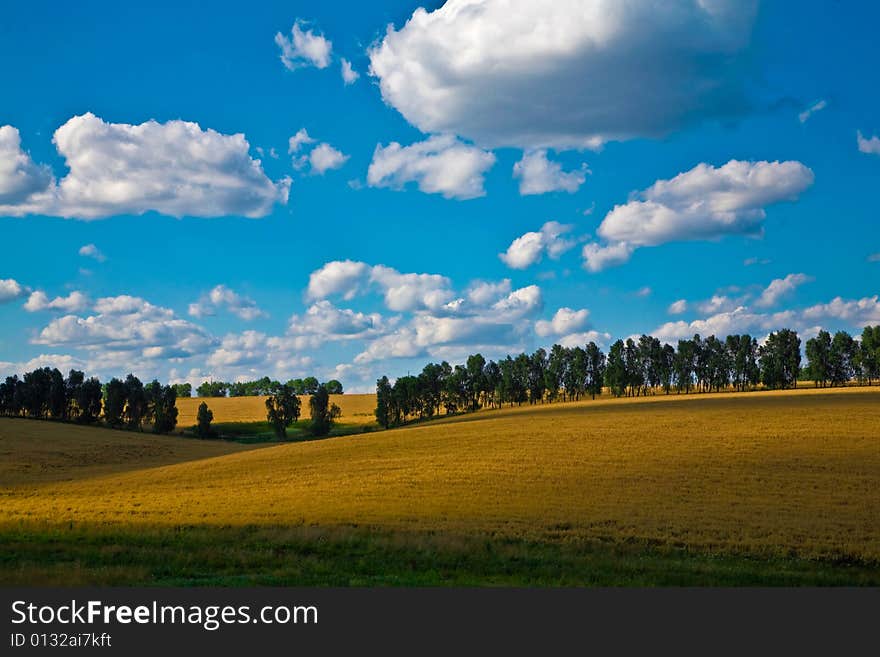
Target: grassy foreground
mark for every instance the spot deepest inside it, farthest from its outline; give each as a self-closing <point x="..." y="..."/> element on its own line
<point x="759" y="488"/>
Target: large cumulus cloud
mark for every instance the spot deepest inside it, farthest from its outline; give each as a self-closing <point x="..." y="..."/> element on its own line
<point x="565" y="73"/>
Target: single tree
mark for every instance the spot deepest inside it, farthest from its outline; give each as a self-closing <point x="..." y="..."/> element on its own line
<point x="324" y="412"/>
<point x="114" y="403"/>
<point x="282" y="409"/>
<point x="204" y="417"/>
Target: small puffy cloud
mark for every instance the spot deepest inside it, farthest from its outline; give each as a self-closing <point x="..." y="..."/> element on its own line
<point x="407" y="292"/>
<point x="400" y="344"/>
<point x="568" y="73"/>
<point x="677" y="307"/>
<point x="72" y="303"/>
<point x="584" y="337"/>
<point x="538" y="175"/>
<point x="519" y="303"/>
<point x="483" y="293"/>
<point x="223" y="297"/>
<point x="529" y="248"/>
<point x="327" y="322"/>
<point x="324" y="157"/>
<point x="705" y="203"/>
<point x="716" y="304"/>
<point x="597" y="257"/>
<point x="349" y="75"/>
<point x="21" y="180"/>
<point x="92" y="251"/>
<point x="749" y="262"/>
<point x="321" y="158"/>
<point x="439" y="165"/>
<point x="11" y="289"/>
<point x="874" y="257"/>
<point x="868" y="145"/>
<point x="342" y="277"/>
<point x="818" y="106"/>
<point x="565" y="320"/>
<point x="779" y="288"/>
<point x="643" y="292"/>
<point x="304" y="48"/>
<point x="174" y="168"/>
<point x="298" y="140"/>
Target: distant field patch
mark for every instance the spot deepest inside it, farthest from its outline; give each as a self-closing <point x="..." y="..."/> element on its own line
<point x="356" y="409"/>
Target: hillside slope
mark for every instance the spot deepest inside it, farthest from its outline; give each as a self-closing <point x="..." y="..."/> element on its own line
<point x="769" y="473"/>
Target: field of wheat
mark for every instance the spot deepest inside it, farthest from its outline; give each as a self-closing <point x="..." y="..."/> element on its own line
<point x="356" y="409"/>
<point x="771" y="474"/>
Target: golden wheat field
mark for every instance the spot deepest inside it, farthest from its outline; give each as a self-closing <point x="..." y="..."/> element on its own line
<point x="773" y="473"/>
<point x="356" y="409"/>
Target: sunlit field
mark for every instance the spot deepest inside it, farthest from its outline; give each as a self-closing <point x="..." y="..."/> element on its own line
<point x="356" y="409"/>
<point x="769" y="487"/>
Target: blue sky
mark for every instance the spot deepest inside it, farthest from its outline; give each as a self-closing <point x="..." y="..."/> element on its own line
<point x="702" y="163"/>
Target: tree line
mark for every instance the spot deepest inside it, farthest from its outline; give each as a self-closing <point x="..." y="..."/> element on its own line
<point x="632" y="367"/>
<point x="45" y="394"/>
<point x="258" y="388"/>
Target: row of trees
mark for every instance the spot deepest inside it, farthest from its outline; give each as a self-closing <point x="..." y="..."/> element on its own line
<point x="259" y="388"/>
<point x="283" y="409"/>
<point x="632" y="367"/>
<point x="45" y="394"/>
<point x="839" y="359"/>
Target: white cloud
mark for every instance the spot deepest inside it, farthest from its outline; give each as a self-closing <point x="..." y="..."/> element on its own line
<point x="223" y="297"/>
<point x="597" y="258"/>
<point x="304" y="48"/>
<point x="439" y="165"/>
<point x="63" y="362"/>
<point x="450" y="337"/>
<point x="484" y="293"/>
<point x="874" y="257"/>
<point x="716" y="304"/>
<point x="565" y="320"/>
<point x="677" y="307"/>
<point x="748" y="262"/>
<point x="72" y="303"/>
<point x="411" y="291"/>
<point x="580" y="339"/>
<point x="779" y="288"/>
<point x="343" y="277"/>
<point x="301" y="137"/>
<point x="11" y="289"/>
<point x="128" y="324"/>
<point x="643" y="292"/>
<point x="538" y="175"/>
<point x="818" y="106"/>
<point x="567" y="73"/>
<point x="705" y="203"/>
<point x="327" y="322"/>
<point x="854" y="313"/>
<point x="870" y="145"/>
<point x="402" y="292"/>
<point x="21" y="180"/>
<point x="324" y="157"/>
<point x="519" y="303"/>
<point x="92" y="251"/>
<point x="529" y="248"/>
<point x="858" y="312"/>
<point x="401" y="344"/>
<point x="349" y="75"/>
<point x="173" y="168"/>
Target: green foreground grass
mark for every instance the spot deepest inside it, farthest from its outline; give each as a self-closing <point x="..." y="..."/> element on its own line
<point x="75" y="555"/>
